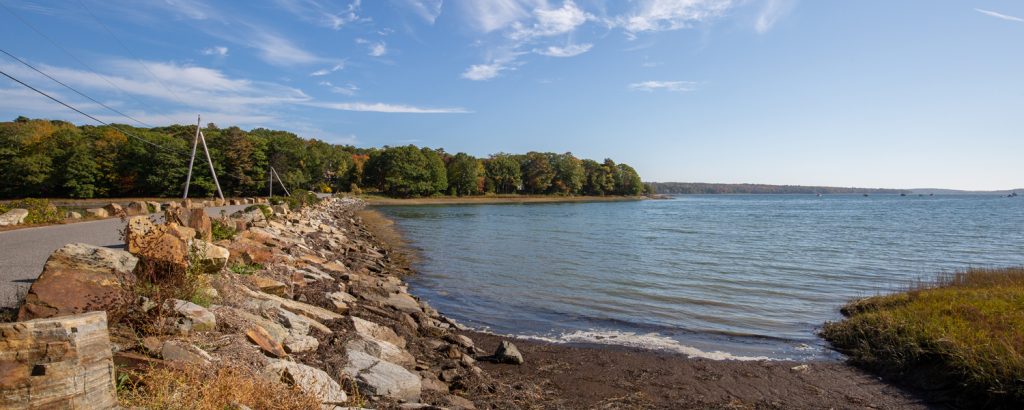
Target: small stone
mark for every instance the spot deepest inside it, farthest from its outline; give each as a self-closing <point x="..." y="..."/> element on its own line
<point x="801" y="368"/>
<point x="199" y="318"/>
<point x="508" y="353"/>
<point x="176" y="351"/>
<point x="262" y="338"/>
<point x="300" y="344"/>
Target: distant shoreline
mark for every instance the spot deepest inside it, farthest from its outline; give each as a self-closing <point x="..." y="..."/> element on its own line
<point x="493" y="199"/>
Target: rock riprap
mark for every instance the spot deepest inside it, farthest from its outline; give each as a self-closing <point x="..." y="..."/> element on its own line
<point x="78" y="278"/>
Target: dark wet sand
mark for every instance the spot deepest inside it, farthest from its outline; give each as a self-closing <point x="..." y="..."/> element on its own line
<point x="581" y="376"/>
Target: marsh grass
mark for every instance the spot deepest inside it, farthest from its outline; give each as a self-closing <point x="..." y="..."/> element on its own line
<point x="208" y="389"/>
<point x="963" y="334"/>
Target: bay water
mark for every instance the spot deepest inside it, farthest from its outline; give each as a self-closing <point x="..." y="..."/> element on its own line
<point x="716" y="276"/>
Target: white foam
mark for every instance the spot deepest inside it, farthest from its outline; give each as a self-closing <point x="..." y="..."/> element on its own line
<point x="651" y="341"/>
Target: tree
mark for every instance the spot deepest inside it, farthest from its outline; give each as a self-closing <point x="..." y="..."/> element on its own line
<point x="630" y="184"/>
<point x="504" y="173"/>
<point x="406" y="172"/>
<point x="569" y="174"/>
<point x="438" y="173"/>
<point x="537" y="173"/>
<point x="462" y="175"/>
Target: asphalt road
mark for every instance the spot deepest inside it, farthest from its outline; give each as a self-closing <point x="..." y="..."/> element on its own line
<point x="23" y="252"/>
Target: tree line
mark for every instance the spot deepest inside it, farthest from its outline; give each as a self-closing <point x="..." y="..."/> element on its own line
<point x="672" y="188"/>
<point x="50" y="158"/>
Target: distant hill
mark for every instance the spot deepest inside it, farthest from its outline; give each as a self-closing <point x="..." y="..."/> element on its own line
<point x="671" y="188"/>
<point x="940" y="191"/>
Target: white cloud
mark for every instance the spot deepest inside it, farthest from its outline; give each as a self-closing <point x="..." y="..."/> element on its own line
<point x="192" y="9"/>
<point x="387" y="108"/>
<point x="551" y="22"/>
<point x="771" y="12"/>
<point x="482" y="72"/>
<point x="428" y="10"/>
<point x="324" y="14"/>
<point x="571" y="50"/>
<point x="378" y="49"/>
<point x="1000" y="15"/>
<point x="661" y="15"/>
<point x="678" y="86"/>
<point x="325" y="71"/>
<point x="216" y="51"/>
<point x="281" y="51"/>
<point x="347" y="89"/>
<point x="491" y="15"/>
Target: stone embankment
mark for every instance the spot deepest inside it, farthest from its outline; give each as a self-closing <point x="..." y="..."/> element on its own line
<point x="307" y="298"/>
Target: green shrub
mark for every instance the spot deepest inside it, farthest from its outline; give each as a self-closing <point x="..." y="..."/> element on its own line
<point x="263" y="208"/>
<point x="246" y="269"/>
<point x="221" y="230"/>
<point x="300" y="198"/>
<point x="40" y="211"/>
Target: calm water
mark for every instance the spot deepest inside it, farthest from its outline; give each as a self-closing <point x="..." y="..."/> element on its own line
<point x="729" y="276"/>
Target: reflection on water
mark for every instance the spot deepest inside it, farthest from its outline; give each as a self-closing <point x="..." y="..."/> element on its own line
<point x="741" y="275"/>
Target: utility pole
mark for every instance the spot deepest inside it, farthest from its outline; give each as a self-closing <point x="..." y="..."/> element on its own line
<point x="195" y="143"/>
<point x="271" y="173"/>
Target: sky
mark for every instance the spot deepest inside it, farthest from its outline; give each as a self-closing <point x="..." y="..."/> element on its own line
<point x="895" y="94"/>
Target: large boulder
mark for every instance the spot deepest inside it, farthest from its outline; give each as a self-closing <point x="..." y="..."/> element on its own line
<point x="57" y="363"/>
<point x="155" y="206"/>
<point x="381" y="350"/>
<point x="211" y="258"/>
<point x="311" y="380"/>
<point x="79" y="278"/>
<point x="97" y="213"/>
<point x="163" y="252"/>
<point x="370" y="330"/>
<point x="378" y="377"/>
<point x="137" y="208"/>
<point x="137" y="228"/>
<point x="114" y="209"/>
<point x="507" y="353"/>
<point x="15" y="216"/>
<point x="195" y="218"/>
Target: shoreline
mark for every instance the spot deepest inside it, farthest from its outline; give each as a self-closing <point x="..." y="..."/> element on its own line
<point x="373" y="200"/>
<point x="589" y="375"/>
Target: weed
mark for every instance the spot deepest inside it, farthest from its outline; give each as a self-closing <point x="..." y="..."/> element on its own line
<point x="221" y="230"/>
<point x="246" y="269"/>
<point x="208" y="389"/>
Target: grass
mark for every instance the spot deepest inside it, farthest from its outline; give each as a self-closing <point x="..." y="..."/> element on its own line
<point x="221" y="230"/>
<point x="205" y="389"/>
<point x="963" y="334"/>
<point x="246" y="268"/>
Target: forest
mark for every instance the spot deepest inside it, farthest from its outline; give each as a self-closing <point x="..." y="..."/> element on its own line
<point x="57" y="159"/>
<point x="675" y="188"/>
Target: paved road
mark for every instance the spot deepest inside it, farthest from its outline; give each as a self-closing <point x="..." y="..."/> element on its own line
<point x="24" y="251"/>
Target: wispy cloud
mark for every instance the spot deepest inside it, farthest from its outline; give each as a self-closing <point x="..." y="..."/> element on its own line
<point x="551" y="22"/>
<point x="677" y="86"/>
<point x="488" y="16"/>
<point x="280" y="51"/>
<point x="347" y="89"/>
<point x="376" y="48"/>
<point x="216" y="51"/>
<point x="428" y="10"/>
<point x="771" y="12"/>
<point x="663" y="15"/>
<point x="571" y="50"/>
<point x="482" y="72"/>
<point x="1000" y="15"/>
<point x="325" y="71"/>
<point x="324" y="14"/>
<point x="386" y="108"/>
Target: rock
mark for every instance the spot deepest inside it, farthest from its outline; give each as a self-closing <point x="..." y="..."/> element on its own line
<point x="300" y="344"/>
<point x="801" y="368"/>
<point x="461" y="340"/>
<point x="185" y="233"/>
<point x="270" y="286"/>
<point x="281" y="209"/>
<point x="267" y="344"/>
<point x="195" y="317"/>
<point x="310" y="311"/>
<point x="56" y="363"/>
<point x="240" y="320"/>
<point x="459" y="402"/>
<point x="74" y="215"/>
<point x="154" y="205"/>
<point x="78" y="278"/>
<point x="431" y="383"/>
<point x="202" y="223"/>
<point x="313" y="381"/>
<point x="97" y="213"/>
<point x="381" y="378"/>
<point x="340" y="300"/>
<point x="137" y="228"/>
<point x="164" y="252"/>
<point x="211" y="258"/>
<point x="137" y="208"/>
<point x="508" y="353"/>
<point x="114" y="209"/>
<point x="252" y="217"/>
<point x="176" y="351"/>
<point x="402" y="302"/>
<point x="152" y="344"/>
<point x="381" y="350"/>
<point x="370" y="330"/>
<point x="13" y="217"/>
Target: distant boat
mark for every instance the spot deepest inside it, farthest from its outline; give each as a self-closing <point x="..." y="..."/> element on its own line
<point x="903" y="194"/>
<point x="865" y="194"/>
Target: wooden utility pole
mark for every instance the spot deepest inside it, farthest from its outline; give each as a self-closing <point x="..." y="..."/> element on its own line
<point x="201" y="138"/>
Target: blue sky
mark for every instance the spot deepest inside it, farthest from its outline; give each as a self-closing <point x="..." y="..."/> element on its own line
<point x="846" y="93"/>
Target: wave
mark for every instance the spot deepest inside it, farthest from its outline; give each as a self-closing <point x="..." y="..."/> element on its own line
<point x="650" y="341"/>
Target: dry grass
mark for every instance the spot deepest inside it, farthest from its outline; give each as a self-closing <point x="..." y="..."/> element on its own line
<point x="964" y="333"/>
<point x="206" y="389"/>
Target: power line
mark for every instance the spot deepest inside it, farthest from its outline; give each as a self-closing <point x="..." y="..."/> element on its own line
<point x="80" y="62"/>
<point x="72" y="89"/>
<point x="136" y="57"/>
<point x="80" y="111"/>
